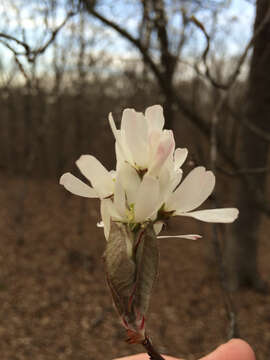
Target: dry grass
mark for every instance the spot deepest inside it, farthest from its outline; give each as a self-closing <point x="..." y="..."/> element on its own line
<point x="55" y="303"/>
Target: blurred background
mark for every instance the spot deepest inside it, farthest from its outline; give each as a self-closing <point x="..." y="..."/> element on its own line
<point x="64" y="65"/>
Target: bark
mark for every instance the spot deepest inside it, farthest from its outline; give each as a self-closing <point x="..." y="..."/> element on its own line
<point x="242" y="245"/>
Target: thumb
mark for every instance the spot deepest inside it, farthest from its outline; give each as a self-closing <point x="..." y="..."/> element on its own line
<point x="235" y="349"/>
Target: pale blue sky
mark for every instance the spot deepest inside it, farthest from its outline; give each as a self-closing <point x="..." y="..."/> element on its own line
<point x="234" y="24"/>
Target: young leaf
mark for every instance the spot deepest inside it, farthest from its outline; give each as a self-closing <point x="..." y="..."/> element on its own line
<point x="147" y="258"/>
<point x="120" y="267"/>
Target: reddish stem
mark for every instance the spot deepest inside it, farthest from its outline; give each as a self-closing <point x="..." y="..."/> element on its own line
<point x="151" y="351"/>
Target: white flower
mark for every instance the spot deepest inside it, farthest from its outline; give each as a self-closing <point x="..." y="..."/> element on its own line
<point x="141" y="140"/>
<point x="171" y="173"/>
<point x="145" y="186"/>
<point x="135" y="201"/>
<point x="100" y="178"/>
<point x="191" y="193"/>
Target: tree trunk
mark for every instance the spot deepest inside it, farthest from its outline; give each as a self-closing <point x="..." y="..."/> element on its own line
<point x="241" y="247"/>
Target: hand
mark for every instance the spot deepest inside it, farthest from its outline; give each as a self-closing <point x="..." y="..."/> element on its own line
<point x="235" y="349"/>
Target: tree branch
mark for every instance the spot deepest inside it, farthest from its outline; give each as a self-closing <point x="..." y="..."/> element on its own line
<point x="179" y="101"/>
<point x="30" y="53"/>
<point x="135" y="41"/>
<point x="17" y="41"/>
<point x="241" y="60"/>
<point x="54" y="33"/>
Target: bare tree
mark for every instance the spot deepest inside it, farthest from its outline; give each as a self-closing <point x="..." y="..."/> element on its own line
<point x="163" y="64"/>
<point x="159" y="48"/>
<point x="253" y="152"/>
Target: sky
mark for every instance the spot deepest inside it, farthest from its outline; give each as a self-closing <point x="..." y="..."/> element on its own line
<point x="239" y="16"/>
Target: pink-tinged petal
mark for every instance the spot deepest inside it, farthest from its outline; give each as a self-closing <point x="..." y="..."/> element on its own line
<point x="193" y="191"/>
<point x="164" y="149"/>
<point x="189" y="237"/>
<point x="130" y="181"/>
<point x="97" y="174"/>
<point x="154" y="139"/>
<point x="147" y="202"/>
<point x="154" y="116"/>
<point x="120" y="198"/>
<point x="158" y="227"/>
<point x="227" y="215"/>
<point x="76" y="186"/>
<point x="134" y="127"/>
<point x="180" y="156"/>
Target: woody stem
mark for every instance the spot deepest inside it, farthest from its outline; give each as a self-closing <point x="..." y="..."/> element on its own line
<point x="151" y="351"/>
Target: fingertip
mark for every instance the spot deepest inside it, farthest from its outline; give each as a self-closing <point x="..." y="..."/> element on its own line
<point x="242" y="349"/>
<point x="235" y="349"/>
<point x="141" y="356"/>
<point x="144" y="356"/>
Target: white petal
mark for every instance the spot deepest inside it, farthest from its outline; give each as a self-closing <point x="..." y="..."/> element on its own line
<point x="130" y="181"/>
<point x="113" y="211"/>
<point x="119" y="156"/>
<point x="154" y="116"/>
<point x="147" y="199"/>
<point x="226" y="215"/>
<point x="180" y="156"/>
<point x="193" y="191"/>
<point x="158" y="227"/>
<point x="113" y="126"/>
<point x="106" y="218"/>
<point x="113" y="174"/>
<point x="120" y="198"/>
<point x="76" y="186"/>
<point x="134" y="126"/>
<point x="165" y="184"/>
<point x="176" y="178"/>
<point x="121" y="151"/>
<point x="154" y="139"/>
<point x="189" y="237"/>
<point x="94" y="171"/>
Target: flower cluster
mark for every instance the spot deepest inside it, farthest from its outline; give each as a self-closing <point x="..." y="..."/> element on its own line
<point x="146" y="185"/>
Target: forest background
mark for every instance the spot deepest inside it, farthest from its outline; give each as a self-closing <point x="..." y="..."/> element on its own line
<point x="66" y="64"/>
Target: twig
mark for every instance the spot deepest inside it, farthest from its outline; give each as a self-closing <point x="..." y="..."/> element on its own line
<point x="30" y="53"/>
<point x="123" y="32"/>
<point x="205" y="54"/>
<point x="54" y="33"/>
<point x="241" y="60"/>
<point x="17" y="61"/>
<point x="151" y="351"/>
<point x="213" y="133"/>
<point x="17" y="41"/>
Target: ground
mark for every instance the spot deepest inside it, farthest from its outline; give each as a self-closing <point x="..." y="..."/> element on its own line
<point x="55" y="303"/>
